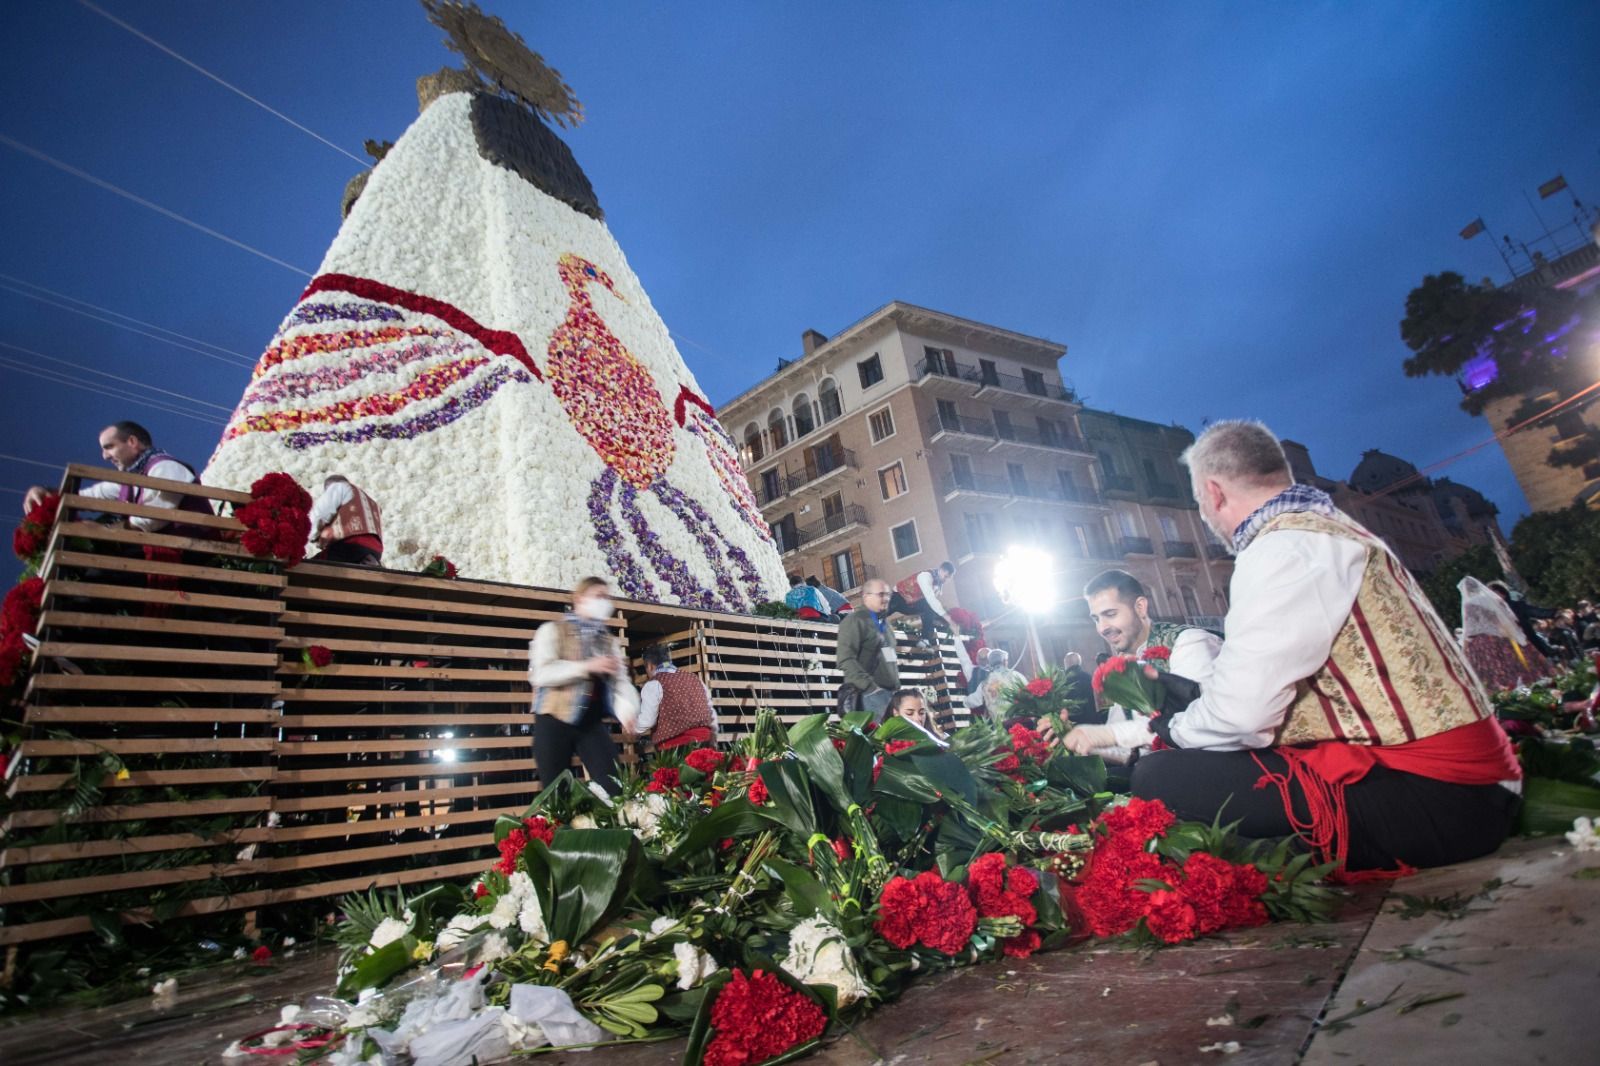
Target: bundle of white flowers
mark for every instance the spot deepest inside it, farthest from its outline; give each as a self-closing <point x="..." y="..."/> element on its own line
<point x="818" y="955"/>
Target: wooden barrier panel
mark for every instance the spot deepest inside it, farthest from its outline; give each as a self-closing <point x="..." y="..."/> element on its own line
<point x="182" y="759"/>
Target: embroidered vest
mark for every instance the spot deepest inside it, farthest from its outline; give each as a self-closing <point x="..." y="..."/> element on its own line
<point x="1394" y="674"/>
<point x="192" y="504"/>
<point x="568" y="702"/>
<point x="683" y="706"/>
<point x="910" y="591"/>
<point x="360" y="517"/>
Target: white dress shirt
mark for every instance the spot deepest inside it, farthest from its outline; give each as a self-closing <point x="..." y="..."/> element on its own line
<point x="1193" y="656"/>
<point x="650" y="701"/>
<point x="335" y="496"/>
<point x="170" y="469"/>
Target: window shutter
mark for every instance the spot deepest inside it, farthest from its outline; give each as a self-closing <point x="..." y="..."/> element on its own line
<point x="811" y="463"/>
<point x="857" y="564"/>
<point x="829" y="578"/>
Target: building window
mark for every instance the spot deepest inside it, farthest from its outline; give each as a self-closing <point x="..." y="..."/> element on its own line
<point x="1019" y="478"/>
<point x="1049" y="432"/>
<point x="1108" y="465"/>
<point x="828" y="400"/>
<point x="1069" y="487"/>
<point x="941" y="361"/>
<point x="803" y="422"/>
<point x="771" y="485"/>
<point x="1033" y="381"/>
<point x="1129" y="524"/>
<point x="987" y="372"/>
<point x="833" y="512"/>
<point x="892" y="481"/>
<point x="777" y="432"/>
<point x="871" y="371"/>
<point x="949" y="416"/>
<point x="752" y="443"/>
<point x="1191" y="606"/>
<point x="1169" y="528"/>
<point x="1002" y="425"/>
<point x="906" y="543"/>
<point x="786" y="533"/>
<point x="961" y="471"/>
<point x="982" y="536"/>
<point x="844" y="571"/>
<point x="882" y="425"/>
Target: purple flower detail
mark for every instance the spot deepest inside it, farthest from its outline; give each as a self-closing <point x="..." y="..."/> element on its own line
<point x="460" y="404"/>
<point x="306" y="314"/>
<point x="682" y="583"/>
<point x="300" y="384"/>
<point x="625" y="570"/>
<point x="713" y="542"/>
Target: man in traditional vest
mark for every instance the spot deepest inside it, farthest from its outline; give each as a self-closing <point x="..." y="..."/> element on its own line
<point x="1119" y="607"/>
<point x="674" y="708"/>
<point x="919" y="595"/>
<point x="128" y="447"/>
<point x="1339" y="709"/>
<point x="347" y="523"/>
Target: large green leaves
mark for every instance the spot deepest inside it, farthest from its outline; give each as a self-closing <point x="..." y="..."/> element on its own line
<point x="809" y="740"/>
<point x="582" y="878"/>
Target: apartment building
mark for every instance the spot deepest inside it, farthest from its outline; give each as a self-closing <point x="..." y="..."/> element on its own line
<point x="916" y="436"/>
<point x="1155" y="519"/>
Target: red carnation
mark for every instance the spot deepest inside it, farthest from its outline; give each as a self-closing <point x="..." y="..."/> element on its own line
<point x="705" y="760"/>
<point x="665" y="779"/>
<point x="1171" y="917"/>
<point x="26" y="542"/>
<point x="1112" y="665"/>
<point x="895" y="747"/>
<point x="480" y="890"/>
<point x="1040" y="686"/>
<point x="277" y="520"/>
<point x="838" y="745"/>
<point x="12" y="652"/>
<point x="758" y="792"/>
<point x="540" y="828"/>
<point x="261" y="954"/>
<point x="841" y="846"/>
<point x="1022" y="945"/>
<point x="927" y="910"/>
<point x="510" y="850"/>
<point x="757" y="1018"/>
<point x="319" y="655"/>
<point x="1156" y="653"/>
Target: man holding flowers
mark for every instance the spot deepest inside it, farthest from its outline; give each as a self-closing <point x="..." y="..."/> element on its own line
<point x="1339" y="709"/>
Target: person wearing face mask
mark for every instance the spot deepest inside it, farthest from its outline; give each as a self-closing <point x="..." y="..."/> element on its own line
<point x="579" y="676"/>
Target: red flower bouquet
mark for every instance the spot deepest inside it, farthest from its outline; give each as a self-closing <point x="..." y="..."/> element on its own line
<point x="706" y="760"/>
<point x="759" y="1017"/>
<point x="439" y="566"/>
<point x="664" y="780"/>
<point x="277" y="520"/>
<point x="33" y="534"/>
<point x="926" y="910"/>
<point x="19" y="617"/>
<point x="512" y="843"/>
<point x="1040" y="686"/>
<point x="316" y="657"/>
<point x="999" y="891"/>
<point x="1121" y="680"/>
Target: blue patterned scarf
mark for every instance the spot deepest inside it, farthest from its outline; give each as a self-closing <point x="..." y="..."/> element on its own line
<point x="1296" y="497"/>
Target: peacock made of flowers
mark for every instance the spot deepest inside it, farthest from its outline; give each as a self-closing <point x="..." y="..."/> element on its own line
<point x="476" y="234"/>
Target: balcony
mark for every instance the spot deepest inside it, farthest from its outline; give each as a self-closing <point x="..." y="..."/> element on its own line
<point x="1021" y="437"/>
<point x="1003" y="486"/>
<point x="1138" y="546"/>
<point x="972" y="484"/>
<point x="852" y="516"/>
<point x="826" y="462"/>
<point x="1180" y="549"/>
<point x="951" y="378"/>
<point x="943" y="377"/>
<point x="958" y="427"/>
<point x="1117" y="483"/>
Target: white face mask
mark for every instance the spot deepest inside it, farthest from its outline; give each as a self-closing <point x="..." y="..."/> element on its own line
<point x="595" y="608"/>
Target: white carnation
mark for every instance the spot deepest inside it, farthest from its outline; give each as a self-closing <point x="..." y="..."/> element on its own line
<point x="495" y="947"/>
<point x="505" y="912"/>
<point x="818" y="955"/>
<point x="583" y="821"/>
<point x="530" y="919"/>
<point x="460" y="927"/>
<point x="694" y="965"/>
<point x="644" y="815"/>
<point x="1585" y="835"/>
<point x="660" y="925"/>
<point x="388" y="931"/>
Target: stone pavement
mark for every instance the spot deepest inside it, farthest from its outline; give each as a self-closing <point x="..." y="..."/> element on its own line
<point x="1518" y="964"/>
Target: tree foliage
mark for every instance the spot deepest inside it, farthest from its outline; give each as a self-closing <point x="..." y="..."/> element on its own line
<point x="1538" y="342"/>
<point x="1477" y="561"/>
<point x="1558" y="554"/>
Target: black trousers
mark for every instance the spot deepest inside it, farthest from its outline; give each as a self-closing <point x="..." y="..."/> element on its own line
<point x="555" y="742"/>
<point x="343" y="551"/>
<point x="1394" y="816"/>
<point x="931" y="618"/>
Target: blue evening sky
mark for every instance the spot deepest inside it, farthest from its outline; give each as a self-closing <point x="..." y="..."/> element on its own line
<point x="1218" y="207"/>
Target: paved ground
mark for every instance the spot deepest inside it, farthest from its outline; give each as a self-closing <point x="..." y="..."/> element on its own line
<point x="1520" y="966"/>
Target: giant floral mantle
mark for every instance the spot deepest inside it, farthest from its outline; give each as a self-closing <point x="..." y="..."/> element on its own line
<point x="479" y="358"/>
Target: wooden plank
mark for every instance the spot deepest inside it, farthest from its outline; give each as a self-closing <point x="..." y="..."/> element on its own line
<point x="405" y="625"/>
<point x="303" y="594"/>
<point x="163" y="745"/>
<point x="199" y="716"/>
<point x="99" y="849"/>
<point x="425" y="719"/>
<point x="353" y="695"/>
<point x="189" y="488"/>
<point x="148" y="778"/>
<point x="407" y="673"/>
<point x="139" y="812"/>
<point x="399" y="650"/>
<point x="129" y="535"/>
<point x="187" y="626"/>
<point x="98" y="884"/>
<point x="353" y="800"/>
<point x="135" y="594"/>
<point x="313" y="573"/>
<point x="74" y="502"/>
<point x="368" y="827"/>
<point x="357" y="771"/>
<point x="344" y="747"/>
<point x="56" y="927"/>
<point x="106" y="683"/>
<point x="321" y="859"/>
<point x="139" y="653"/>
<point x="122" y="564"/>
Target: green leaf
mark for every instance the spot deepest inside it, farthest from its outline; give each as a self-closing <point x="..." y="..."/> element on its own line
<point x="790" y="791"/>
<point x="1549" y="807"/>
<point x="805" y="891"/>
<point x="809" y="740"/>
<point x="1082" y="774"/>
<point x="589" y="873"/>
<point x="503" y="826"/>
<point x="377" y="969"/>
<point x="734" y="818"/>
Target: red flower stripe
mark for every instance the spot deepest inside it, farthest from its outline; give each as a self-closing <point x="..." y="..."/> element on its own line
<point x="428" y="384"/>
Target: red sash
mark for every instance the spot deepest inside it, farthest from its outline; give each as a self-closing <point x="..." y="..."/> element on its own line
<point x="1476" y="754"/>
<point x="700" y="735"/>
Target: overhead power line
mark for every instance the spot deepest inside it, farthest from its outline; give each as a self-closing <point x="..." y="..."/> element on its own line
<point x="191" y="64"/>
<point x="29" y="462"/>
<point x="232" y="358"/>
<point x="62" y="379"/>
<point x="115" y="377"/>
<point x="13" y="143"/>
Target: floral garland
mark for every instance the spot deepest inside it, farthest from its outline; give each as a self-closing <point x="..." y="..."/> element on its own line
<point x="294" y="348"/>
<point x="19" y="618"/>
<point x="298" y="385"/>
<point x="460" y="404"/>
<point x="426" y="385"/>
<point x="311" y="314"/>
<point x="277" y="520"/>
<point x="32" y="537"/>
